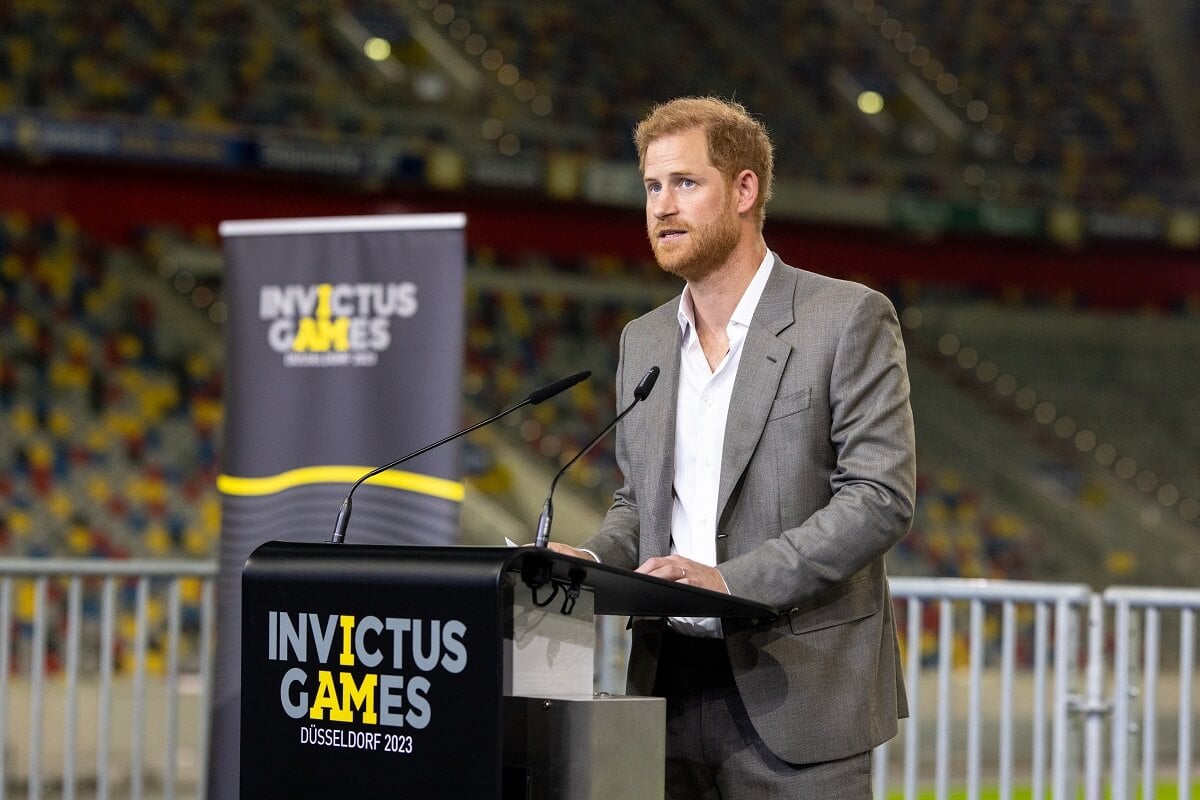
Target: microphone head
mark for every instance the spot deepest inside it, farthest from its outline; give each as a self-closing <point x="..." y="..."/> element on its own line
<point x="646" y="384"/>
<point x="561" y="385"/>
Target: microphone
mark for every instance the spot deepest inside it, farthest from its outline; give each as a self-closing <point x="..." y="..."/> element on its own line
<point x="535" y="397"/>
<point x="640" y="393"/>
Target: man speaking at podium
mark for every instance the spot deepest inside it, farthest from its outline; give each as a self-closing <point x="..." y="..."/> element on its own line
<point x="775" y="462"/>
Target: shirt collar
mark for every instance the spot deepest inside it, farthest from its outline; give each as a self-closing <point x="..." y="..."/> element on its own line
<point x="744" y="311"/>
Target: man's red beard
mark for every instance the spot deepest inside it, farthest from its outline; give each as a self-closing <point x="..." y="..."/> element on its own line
<point x="701" y="250"/>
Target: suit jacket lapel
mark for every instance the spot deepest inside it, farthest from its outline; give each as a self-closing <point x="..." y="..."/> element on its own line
<point x="660" y="449"/>
<point x="759" y="371"/>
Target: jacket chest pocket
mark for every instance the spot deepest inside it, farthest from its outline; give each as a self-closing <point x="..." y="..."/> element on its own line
<point x="791" y="403"/>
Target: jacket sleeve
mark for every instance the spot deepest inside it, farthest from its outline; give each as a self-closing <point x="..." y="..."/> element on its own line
<point x="616" y="542"/>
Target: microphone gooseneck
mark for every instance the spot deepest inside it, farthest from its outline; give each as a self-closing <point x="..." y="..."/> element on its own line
<point x="546" y="518"/>
<point x="535" y="397"/>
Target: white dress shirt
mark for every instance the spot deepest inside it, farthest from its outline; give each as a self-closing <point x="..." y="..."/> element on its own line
<point x="702" y="408"/>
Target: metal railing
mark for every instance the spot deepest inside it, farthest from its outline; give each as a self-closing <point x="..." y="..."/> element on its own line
<point x="110" y="661"/>
<point x="1049" y="710"/>
<point x="124" y="635"/>
<point x="1140" y="681"/>
<point x="1056" y="611"/>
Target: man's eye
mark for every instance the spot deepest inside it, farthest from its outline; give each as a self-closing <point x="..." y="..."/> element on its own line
<point x="687" y="183"/>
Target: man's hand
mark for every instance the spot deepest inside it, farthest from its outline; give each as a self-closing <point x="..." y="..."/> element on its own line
<point x="567" y="550"/>
<point x="684" y="570"/>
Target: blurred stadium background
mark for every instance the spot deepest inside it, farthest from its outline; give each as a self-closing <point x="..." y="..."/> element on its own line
<point x="1021" y="178"/>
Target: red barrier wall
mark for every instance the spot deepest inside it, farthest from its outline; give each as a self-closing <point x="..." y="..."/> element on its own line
<point x="111" y="202"/>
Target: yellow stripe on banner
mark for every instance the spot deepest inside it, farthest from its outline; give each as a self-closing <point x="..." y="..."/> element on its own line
<point x="395" y="479"/>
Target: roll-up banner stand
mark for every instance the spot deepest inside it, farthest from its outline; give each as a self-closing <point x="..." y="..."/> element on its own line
<point x="343" y="352"/>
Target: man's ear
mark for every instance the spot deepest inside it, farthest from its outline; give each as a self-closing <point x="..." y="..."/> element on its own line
<point x="745" y="184"/>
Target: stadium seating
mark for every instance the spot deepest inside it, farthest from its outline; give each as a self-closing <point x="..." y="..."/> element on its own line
<point x="108" y="443"/>
<point x="111" y="422"/>
<point x="1116" y="388"/>
<point x="1093" y="128"/>
<point x="299" y="67"/>
<point x="111" y="446"/>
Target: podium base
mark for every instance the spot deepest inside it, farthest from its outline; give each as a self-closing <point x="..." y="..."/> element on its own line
<point x="584" y="749"/>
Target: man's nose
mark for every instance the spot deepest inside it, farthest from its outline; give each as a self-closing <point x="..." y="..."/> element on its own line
<point x="663" y="204"/>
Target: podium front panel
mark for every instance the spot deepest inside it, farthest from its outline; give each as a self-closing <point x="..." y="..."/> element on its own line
<point x="380" y="672"/>
<point x="370" y="674"/>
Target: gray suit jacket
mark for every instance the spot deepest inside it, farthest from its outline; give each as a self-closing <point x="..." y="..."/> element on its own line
<point x="817" y="484"/>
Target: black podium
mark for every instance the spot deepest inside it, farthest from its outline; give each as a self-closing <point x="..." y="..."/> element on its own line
<point x="377" y="672"/>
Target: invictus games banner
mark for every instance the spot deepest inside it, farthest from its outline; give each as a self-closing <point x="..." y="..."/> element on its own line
<point x="343" y="352"/>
